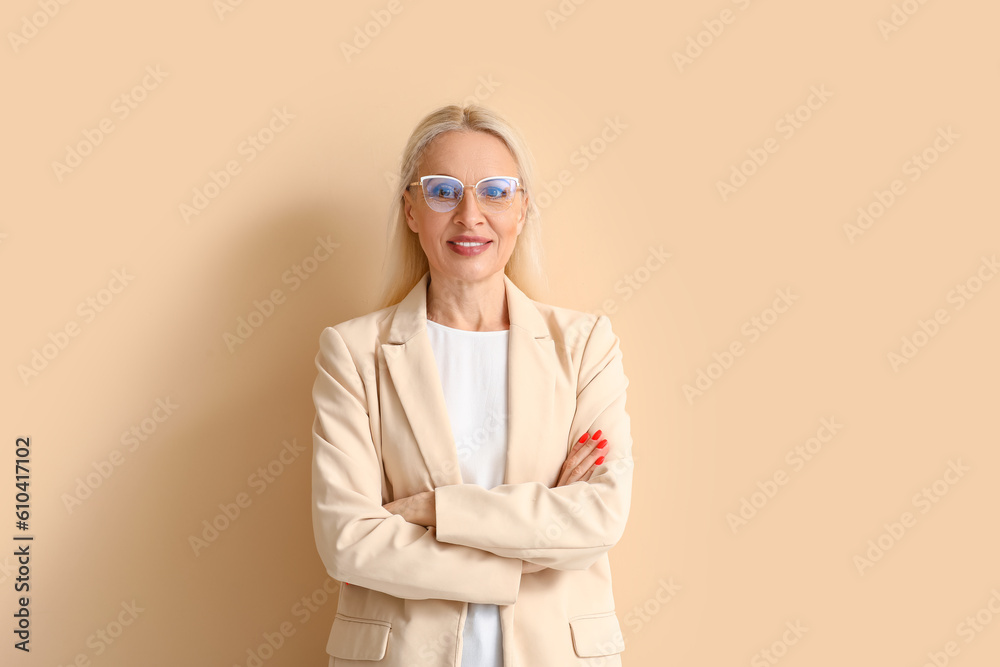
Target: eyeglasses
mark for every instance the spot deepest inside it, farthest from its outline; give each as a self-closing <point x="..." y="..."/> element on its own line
<point x="443" y="193"/>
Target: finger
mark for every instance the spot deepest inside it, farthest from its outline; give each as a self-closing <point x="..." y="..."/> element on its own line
<point x="598" y="451"/>
<point x="578" y="454"/>
<point x="586" y="465"/>
<point x="571" y="472"/>
<point x="582" y="449"/>
<point x="580" y="461"/>
<point x="584" y="452"/>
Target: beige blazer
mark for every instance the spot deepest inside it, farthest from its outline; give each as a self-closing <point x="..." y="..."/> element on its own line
<point x="382" y="432"/>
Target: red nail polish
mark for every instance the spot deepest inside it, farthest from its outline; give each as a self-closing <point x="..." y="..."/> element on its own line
<point x="597" y="434"/>
<point x="602" y="444"/>
<point x="599" y="461"/>
<point x="583" y="438"/>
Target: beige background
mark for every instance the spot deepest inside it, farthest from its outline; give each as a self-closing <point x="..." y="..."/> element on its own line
<point x="690" y="590"/>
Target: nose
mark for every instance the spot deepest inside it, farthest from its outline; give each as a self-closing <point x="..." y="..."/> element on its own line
<point x="468" y="209"/>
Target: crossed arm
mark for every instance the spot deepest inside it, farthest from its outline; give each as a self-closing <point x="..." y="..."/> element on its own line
<point x="464" y="557"/>
<point x="420" y="508"/>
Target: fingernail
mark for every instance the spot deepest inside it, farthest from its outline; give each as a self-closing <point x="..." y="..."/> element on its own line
<point x="599" y="461"/>
<point x="597" y="434"/>
<point x="583" y="438"/>
<point x="602" y="444"/>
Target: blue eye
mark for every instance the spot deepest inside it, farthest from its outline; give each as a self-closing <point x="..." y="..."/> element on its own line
<point x="441" y="188"/>
<point x="496" y="189"/>
<point x="443" y="191"/>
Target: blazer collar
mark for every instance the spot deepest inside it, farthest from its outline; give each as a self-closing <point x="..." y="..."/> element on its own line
<point x="531" y="365"/>
<point x="411" y="313"/>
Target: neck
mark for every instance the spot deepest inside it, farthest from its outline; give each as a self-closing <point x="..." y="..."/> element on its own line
<point x="470" y="305"/>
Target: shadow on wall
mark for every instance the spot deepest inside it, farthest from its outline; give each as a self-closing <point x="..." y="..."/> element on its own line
<point x="206" y="514"/>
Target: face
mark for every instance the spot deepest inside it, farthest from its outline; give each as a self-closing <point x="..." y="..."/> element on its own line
<point x="469" y="157"/>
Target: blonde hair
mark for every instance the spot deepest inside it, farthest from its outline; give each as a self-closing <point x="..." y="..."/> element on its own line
<point x="405" y="261"/>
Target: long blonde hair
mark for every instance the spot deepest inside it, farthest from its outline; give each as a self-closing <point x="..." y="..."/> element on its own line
<point x="405" y="261"/>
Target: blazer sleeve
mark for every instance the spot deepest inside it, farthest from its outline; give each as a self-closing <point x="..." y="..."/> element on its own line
<point x="567" y="527"/>
<point x="359" y="541"/>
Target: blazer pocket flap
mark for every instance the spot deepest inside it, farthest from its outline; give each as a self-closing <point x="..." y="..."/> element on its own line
<point x="597" y="634"/>
<point x="358" y="638"/>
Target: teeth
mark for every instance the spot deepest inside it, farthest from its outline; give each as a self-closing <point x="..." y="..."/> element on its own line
<point x="468" y="244"/>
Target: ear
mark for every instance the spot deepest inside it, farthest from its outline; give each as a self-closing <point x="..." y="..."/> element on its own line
<point x="408" y="210"/>
<point x="524" y="213"/>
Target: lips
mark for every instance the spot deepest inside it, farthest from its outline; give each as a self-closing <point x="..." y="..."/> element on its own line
<point x="465" y="238"/>
<point x="469" y="246"/>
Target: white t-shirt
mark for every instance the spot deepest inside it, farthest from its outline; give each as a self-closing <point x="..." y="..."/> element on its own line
<point x="473" y="369"/>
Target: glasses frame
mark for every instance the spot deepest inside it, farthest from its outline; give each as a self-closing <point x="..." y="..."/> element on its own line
<point x="517" y="184"/>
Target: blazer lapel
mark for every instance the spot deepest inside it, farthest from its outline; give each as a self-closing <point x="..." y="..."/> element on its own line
<point x="531" y="365"/>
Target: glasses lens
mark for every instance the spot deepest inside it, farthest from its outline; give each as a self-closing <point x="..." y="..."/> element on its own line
<point x="442" y="193"/>
<point x="497" y="194"/>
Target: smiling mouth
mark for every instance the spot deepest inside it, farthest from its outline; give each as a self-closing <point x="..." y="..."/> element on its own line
<point x="470" y="244"/>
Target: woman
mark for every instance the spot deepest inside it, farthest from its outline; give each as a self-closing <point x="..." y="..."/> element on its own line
<point x="471" y="450"/>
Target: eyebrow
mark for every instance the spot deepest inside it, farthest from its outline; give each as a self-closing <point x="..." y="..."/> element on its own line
<point x="459" y="179"/>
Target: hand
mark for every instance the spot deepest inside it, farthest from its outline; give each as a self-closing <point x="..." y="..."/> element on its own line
<point x="418" y="508"/>
<point x="579" y="464"/>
